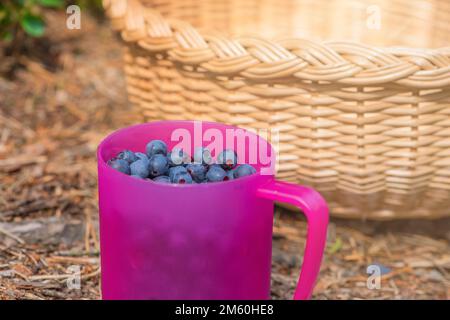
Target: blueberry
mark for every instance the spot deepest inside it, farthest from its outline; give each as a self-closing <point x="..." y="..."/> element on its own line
<point x="227" y="159"/>
<point x="182" y="178"/>
<point x="141" y="156"/>
<point x="140" y="168"/>
<point x="162" y="179"/>
<point x="216" y="173"/>
<point x="177" y="156"/>
<point x="170" y="161"/>
<point x="244" y="170"/>
<point x="158" y="165"/>
<point x="202" y="155"/>
<point x="215" y="165"/>
<point x="156" y="147"/>
<point x="174" y="170"/>
<point x="230" y="174"/>
<point x="127" y="155"/>
<point x="197" y="171"/>
<point x="136" y="176"/>
<point x="120" y="165"/>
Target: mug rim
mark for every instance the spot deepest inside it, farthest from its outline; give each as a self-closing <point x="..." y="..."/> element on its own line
<point x="101" y="161"/>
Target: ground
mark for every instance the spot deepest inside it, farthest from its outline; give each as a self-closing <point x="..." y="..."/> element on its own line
<point x="51" y="120"/>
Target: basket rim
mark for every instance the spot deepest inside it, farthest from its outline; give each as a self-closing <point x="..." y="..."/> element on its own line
<point x="260" y="60"/>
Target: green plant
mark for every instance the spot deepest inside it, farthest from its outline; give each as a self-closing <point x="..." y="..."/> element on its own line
<point x="93" y="5"/>
<point x="18" y="17"/>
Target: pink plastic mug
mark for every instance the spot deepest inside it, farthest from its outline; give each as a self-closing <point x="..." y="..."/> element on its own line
<point x="202" y="241"/>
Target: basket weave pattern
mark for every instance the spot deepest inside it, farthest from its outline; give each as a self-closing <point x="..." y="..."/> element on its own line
<point x="368" y="127"/>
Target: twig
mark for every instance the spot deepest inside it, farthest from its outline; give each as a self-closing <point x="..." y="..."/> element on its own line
<point x="14" y="164"/>
<point x="77" y="253"/>
<point x="72" y="260"/>
<point x="63" y="276"/>
<point x="94" y="238"/>
<point x="20" y="274"/>
<point x="31" y="296"/>
<point x="38" y="285"/>
<point x="87" y="246"/>
<point x="32" y="207"/>
<point x="17" y="125"/>
<point x="91" y="275"/>
<point x="53" y="294"/>
<point x="12" y="236"/>
<point x="50" y="277"/>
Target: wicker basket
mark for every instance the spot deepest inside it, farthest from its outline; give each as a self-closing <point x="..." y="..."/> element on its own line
<point x="367" y="126"/>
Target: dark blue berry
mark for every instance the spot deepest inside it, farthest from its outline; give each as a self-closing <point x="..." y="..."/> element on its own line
<point x="158" y="165"/>
<point x="177" y="156"/>
<point x="141" y="156"/>
<point x="162" y="179"/>
<point x="176" y="167"/>
<point x="214" y="165"/>
<point x="244" y="170"/>
<point x="182" y="178"/>
<point x="156" y="147"/>
<point x="230" y="174"/>
<point x="127" y="155"/>
<point x="120" y="165"/>
<point x="227" y="159"/>
<point x="215" y="174"/>
<point x="175" y="170"/>
<point x="202" y="155"/>
<point x="140" y="168"/>
<point x="197" y="171"/>
<point x="169" y="160"/>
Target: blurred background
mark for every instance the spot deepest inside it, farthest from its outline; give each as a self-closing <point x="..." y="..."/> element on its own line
<point x="62" y="90"/>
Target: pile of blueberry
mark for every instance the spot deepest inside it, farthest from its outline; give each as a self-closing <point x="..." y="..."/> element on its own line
<point x="177" y="166"/>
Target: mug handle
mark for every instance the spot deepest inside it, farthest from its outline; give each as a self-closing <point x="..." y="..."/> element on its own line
<point x="314" y="207"/>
